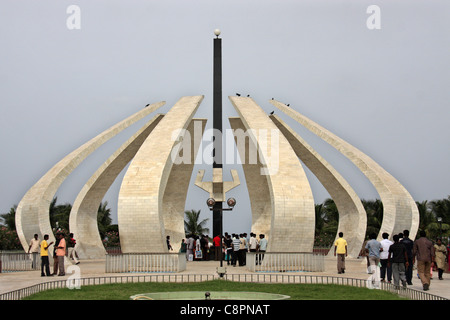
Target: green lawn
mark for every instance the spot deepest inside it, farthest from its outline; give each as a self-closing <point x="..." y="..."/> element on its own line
<point x="295" y="291"/>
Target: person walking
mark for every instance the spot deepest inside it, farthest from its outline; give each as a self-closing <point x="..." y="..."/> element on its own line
<point x="169" y="246"/>
<point x="262" y="248"/>
<point x="55" y="257"/>
<point x="374" y="248"/>
<point x="242" y="250"/>
<point x="71" y="253"/>
<point x="408" y="243"/>
<point x="385" y="270"/>
<point x="190" y="248"/>
<point x="253" y="242"/>
<point x="45" y="263"/>
<point x="423" y="251"/>
<point x="440" y="252"/>
<point x="216" y="241"/>
<point x="236" y="246"/>
<point x="61" y="254"/>
<point x="398" y="261"/>
<point x="34" y="250"/>
<point x="198" y="249"/>
<point x="340" y="248"/>
<point x="204" y="242"/>
<point x="183" y="248"/>
<point x="448" y="256"/>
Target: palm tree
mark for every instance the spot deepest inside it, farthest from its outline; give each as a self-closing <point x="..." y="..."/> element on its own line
<point x="425" y="214"/>
<point x="103" y="218"/>
<point x="429" y="213"/>
<point x="9" y="219"/>
<point x="441" y="209"/>
<point x="59" y="213"/>
<point x="330" y="216"/>
<point x="319" y="219"/>
<point x="192" y="225"/>
<point x="374" y="210"/>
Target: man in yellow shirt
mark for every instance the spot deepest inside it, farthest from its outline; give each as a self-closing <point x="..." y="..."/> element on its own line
<point x="44" y="257"/>
<point x="340" y="248"/>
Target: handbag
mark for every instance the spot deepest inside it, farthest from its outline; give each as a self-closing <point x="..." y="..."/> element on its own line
<point x="198" y="254"/>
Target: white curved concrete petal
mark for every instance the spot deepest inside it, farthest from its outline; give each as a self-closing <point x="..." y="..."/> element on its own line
<point x="32" y="214"/>
<point x="292" y="202"/>
<point x="140" y="205"/>
<point x="352" y="215"/>
<point x="257" y="184"/>
<point x="400" y="210"/>
<point x="174" y="199"/>
<point x="83" y="216"/>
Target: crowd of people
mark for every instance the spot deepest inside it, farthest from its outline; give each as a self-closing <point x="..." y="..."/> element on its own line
<point x="396" y="258"/>
<point x="230" y="247"/>
<point x="61" y="249"/>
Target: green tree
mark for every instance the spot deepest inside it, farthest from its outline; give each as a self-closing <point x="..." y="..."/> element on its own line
<point x="374" y="210"/>
<point x="441" y="209"/>
<point x="319" y="219"/>
<point x="59" y="214"/>
<point x="9" y="239"/>
<point x="327" y="220"/>
<point x="331" y="216"/>
<point x="425" y="214"/>
<point x="192" y="225"/>
<point x="103" y="219"/>
<point x="429" y="213"/>
<point x="9" y="219"/>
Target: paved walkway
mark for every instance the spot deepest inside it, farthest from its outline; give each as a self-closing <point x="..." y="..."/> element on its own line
<point x="355" y="268"/>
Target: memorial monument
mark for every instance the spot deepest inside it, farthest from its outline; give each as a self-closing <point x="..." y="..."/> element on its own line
<point x="161" y="155"/>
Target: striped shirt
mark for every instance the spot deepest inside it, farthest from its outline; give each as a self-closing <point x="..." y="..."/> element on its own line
<point x="236" y="244"/>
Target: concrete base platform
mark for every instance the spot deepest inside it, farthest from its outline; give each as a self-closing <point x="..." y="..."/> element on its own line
<point x="355" y="268"/>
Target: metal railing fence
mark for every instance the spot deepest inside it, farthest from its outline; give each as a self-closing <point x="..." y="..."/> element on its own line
<point x="285" y="262"/>
<point x="19" y="261"/>
<point x="145" y="262"/>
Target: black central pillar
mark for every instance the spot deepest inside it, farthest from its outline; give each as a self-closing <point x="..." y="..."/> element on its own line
<point x="217" y="126"/>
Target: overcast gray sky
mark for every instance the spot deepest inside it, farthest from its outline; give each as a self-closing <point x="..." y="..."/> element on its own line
<point x="386" y="90"/>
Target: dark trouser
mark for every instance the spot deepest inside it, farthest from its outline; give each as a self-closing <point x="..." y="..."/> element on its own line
<point x="398" y="271"/>
<point x="217" y="253"/>
<point x="260" y="257"/>
<point x="55" y="264"/>
<point x="45" y="263"/>
<point x="423" y="268"/>
<point x="385" y="269"/>
<point x="235" y="257"/>
<point x="242" y="257"/>
<point x="61" y="266"/>
<point x="340" y="262"/>
<point x="409" y="271"/>
<point x="229" y="255"/>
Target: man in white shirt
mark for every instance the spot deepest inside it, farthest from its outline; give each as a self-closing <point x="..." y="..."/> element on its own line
<point x="236" y="247"/>
<point x="384" y="255"/>
<point x="34" y="250"/>
<point x="253" y="242"/>
<point x="262" y="248"/>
